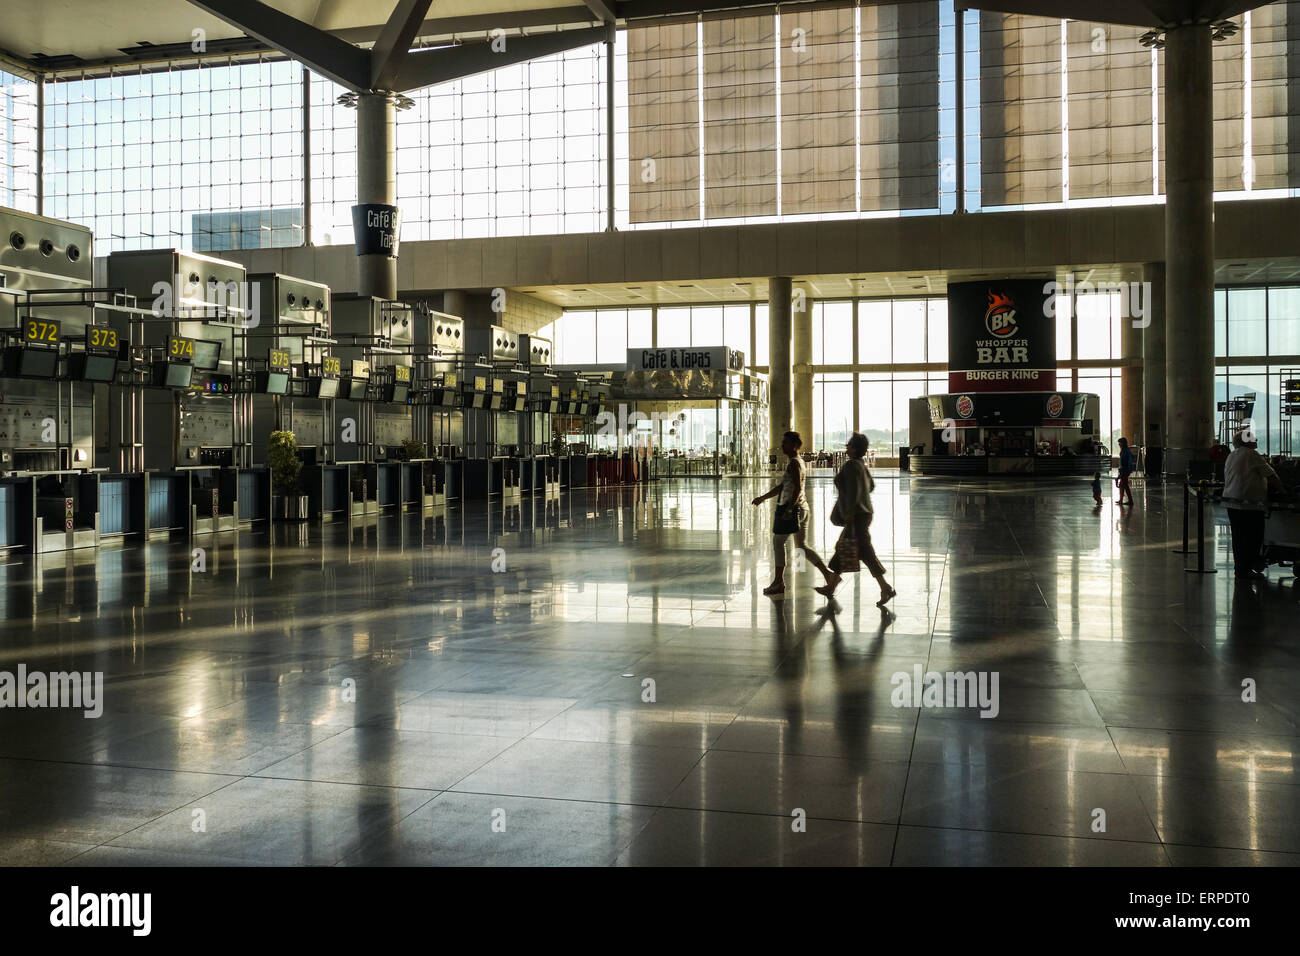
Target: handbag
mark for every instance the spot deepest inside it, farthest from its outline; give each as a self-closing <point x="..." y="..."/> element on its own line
<point x="846" y="553"/>
<point x="785" y="520"/>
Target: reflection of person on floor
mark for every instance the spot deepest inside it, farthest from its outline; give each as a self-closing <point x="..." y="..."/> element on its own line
<point x="791" y="517"/>
<point x="853" y="512"/>
<point x="1247" y="478"/>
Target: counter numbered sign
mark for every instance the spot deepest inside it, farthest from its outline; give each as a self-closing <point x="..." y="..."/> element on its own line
<point x="180" y="349"/>
<point x="402" y="373"/>
<point x="279" y="360"/>
<point x="101" y="339"/>
<point x="331" y="367"/>
<point x="42" y="331"/>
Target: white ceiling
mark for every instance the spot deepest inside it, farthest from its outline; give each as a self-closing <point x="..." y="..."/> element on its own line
<point x="97" y="29"/>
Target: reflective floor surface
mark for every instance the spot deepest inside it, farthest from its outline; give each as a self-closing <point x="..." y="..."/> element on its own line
<point x="598" y="679"/>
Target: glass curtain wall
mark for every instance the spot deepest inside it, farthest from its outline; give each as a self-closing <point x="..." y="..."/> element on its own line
<point x="176" y="157"/>
<point x="18" y="126"/>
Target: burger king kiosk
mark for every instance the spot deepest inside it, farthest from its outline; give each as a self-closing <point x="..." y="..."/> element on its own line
<point x="1003" y="414"/>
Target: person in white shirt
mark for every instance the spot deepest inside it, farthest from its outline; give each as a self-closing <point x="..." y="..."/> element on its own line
<point x="791" y="516"/>
<point x="1247" y="478"/>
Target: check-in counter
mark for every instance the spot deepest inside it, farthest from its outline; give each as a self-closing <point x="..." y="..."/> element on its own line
<point x="329" y="495"/>
<point x="214" y="499"/>
<point x="123" y="506"/>
<point x="363" y="497"/>
<point x="488" y="478"/>
<point x="168" y="496"/>
<point x="66" y="511"/>
<point x="573" y="471"/>
<point x="541" y="475"/>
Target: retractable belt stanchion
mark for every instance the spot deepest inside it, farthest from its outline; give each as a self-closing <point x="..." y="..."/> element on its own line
<point x="1201" y="488"/>
<point x="1187" y="504"/>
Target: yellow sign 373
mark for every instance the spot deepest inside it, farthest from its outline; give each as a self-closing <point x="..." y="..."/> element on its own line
<point x="101" y="338"/>
<point x="42" y="330"/>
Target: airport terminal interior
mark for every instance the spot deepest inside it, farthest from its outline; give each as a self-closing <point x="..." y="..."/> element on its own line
<point x="596" y="433"/>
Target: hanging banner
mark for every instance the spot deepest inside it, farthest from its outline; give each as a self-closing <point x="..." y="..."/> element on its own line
<point x="375" y="227"/>
<point x="715" y="359"/>
<point x="1001" y="336"/>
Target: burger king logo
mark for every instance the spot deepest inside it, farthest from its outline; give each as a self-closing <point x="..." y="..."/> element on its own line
<point x="1055" y="405"/>
<point x="1000" y="316"/>
<point x="965" y="407"/>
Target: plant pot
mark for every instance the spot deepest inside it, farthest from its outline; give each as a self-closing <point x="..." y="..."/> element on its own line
<point x="277" y="507"/>
<point x="297" y="508"/>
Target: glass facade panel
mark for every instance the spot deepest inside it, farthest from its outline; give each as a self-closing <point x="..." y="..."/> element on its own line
<point x="1247" y="322"/>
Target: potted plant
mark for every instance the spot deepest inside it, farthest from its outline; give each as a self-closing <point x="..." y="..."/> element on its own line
<point x="287" y="498"/>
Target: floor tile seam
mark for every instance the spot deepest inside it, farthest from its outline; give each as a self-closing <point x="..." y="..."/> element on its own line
<point x="187" y="803"/>
<point x="1001" y="832"/>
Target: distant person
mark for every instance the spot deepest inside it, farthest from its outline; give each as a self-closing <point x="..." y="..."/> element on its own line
<point x="1125" y="469"/>
<point x="853" y="512"/>
<point x="1096" y="488"/>
<point x="791" y="517"/>
<point x="1247" y="478"/>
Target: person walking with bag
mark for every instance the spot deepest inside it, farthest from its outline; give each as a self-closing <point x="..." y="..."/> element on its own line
<point x="853" y="512"/>
<point x="791" y="516"/>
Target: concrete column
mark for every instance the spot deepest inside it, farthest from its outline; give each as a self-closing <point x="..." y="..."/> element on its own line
<point x="779" y="341"/>
<point x="454" y="303"/>
<point x="1189" y="244"/>
<point x="377" y="183"/>
<point x="1132" y="375"/>
<point x="801" y="309"/>
<point x="1153" y="357"/>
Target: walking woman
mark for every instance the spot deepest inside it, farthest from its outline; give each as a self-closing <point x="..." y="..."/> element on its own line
<point x="791" y="516"/>
<point x="853" y="513"/>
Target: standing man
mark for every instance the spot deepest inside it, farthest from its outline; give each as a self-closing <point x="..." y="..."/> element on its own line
<point x="1247" y="478"/>
<point x="1125" y="469"/>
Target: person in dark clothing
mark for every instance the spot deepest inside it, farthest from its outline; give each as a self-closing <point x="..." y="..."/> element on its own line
<point x="1125" y="469"/>
<point x="1096" y="488"/>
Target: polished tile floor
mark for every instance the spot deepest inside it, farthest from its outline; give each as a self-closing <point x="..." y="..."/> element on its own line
<point x="598" y="680"/>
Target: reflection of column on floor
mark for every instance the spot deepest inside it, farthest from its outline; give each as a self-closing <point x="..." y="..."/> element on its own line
<point x="780" y="383"/>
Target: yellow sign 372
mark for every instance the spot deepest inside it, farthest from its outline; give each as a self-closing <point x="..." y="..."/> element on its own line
<point x="42" y="330"/>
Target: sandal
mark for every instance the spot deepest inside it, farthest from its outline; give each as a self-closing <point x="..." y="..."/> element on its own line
<point x="886" y="597"/>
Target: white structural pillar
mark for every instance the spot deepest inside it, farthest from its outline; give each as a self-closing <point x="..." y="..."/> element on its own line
<point x="801" y="308"/>
<point x="1189" y="244"/>
<point x="377" y="183"/>
<point x="780" y="374"/>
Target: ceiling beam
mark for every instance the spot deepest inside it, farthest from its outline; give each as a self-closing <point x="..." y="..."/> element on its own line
<point x="395" y="41"/>
<point x="324" y="53"/>
<point x="479" y="23"/>
<point x="601" y="10"/>
<point x="423" y="69"/>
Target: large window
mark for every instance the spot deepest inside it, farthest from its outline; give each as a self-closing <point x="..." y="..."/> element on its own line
<point x="17" y="142"/>
<point x="177" y="157"/>
<point x="1257" y="324"/>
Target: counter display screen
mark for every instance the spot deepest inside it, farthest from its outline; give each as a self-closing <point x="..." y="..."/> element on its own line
<point x="37" y="363"/>
<point x="277" y="383"/>
<point x="97" y="368"/>
<point x="329" y="388"/>
<point x="399" y="393"/>
<point x="357" y="389"/>
<point x="178" y="376"/>
<point x="206" y="355"/>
